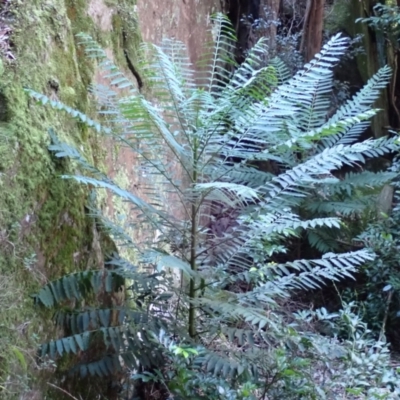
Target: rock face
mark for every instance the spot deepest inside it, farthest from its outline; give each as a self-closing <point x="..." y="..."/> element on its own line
<point x="185" y="20"/>
<point x="44" y="227"/>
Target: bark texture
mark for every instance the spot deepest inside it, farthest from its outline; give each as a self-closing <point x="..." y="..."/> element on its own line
<point x="312" y="30"/>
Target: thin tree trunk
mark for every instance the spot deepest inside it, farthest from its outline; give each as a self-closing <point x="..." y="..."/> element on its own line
<point x="311" y="41"/>
<point x="370" y="61"/>
<point x="271" y="8"/>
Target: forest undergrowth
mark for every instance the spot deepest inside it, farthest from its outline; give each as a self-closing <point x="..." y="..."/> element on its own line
<point x="278" y="203"/>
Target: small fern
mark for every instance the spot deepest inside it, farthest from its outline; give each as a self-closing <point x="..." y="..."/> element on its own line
<point x="125" y="334"/>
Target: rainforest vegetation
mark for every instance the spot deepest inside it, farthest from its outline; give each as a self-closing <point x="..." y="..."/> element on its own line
<point x="199" y="222"/>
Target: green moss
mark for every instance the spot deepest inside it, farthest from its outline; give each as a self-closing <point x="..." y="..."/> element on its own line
<point x="125" y="20"/>
<point x="336" y="18"/>
<point x="80" y="20"/>
<point x="39" y="212"/>
<point x="68" y="96"/>
<point x="116" y="39"/>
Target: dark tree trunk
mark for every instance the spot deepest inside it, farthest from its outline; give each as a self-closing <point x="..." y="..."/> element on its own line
<point x="312" y="30"/>
<point x="371" y="60"/>
<point x="271" y="8"/>
<point x="244" y="15"/>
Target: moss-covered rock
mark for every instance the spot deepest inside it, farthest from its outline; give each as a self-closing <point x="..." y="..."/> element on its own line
<point x="44" y="228"/>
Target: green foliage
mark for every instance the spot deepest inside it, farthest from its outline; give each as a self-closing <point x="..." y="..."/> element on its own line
<point x="188" y="380"/>
<point x="385" y="19"/>
<point x="123" y="335"/>
<point x="251" y="161"/>
<point x="379" y="294"/>
<point x="306" y="365"/>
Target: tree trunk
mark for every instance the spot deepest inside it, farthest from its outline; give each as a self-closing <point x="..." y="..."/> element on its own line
<point x="245" y="16"/>
<point x="269" y="9"/>
<point x="371" y="60"/>
<point x="311" y="41"/>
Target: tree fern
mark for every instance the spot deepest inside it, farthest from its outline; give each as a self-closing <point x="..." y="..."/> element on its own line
<point x="252" y="162"/>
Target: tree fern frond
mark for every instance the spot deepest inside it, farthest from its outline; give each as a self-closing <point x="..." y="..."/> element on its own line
<point x="298" y="99"/>
<point x="329" y="129"/>
<point x="240" y="308"/>
<point x="287" y="223"/>
<point x="162" y="127"/>
<point x="79" y="321"/>
<point x="218" y="56"/>
<point x="69" y="344"/>
<point x="241" y="194"/>
<point x="166" y="261"/>
<point x="360" y="103"/>
<point x="323" y="240"/>
<point x="144" y="129"/>
<point x="310" y="88"/>
<point x="344" y="208"/>
<point x="142" y="280"/>
<point x="242" y="175"/>
<point x="72" y="112"/>
<point x="220" y="365"/>
<point x="92" y="48"/>
<point x="62" y="150"/>
<point x="364" y="179"/>
<point x="173" y="82"/>
<point x="281" y="69"/>
<point x="330" y="159"/>
<point x="233" y="250"/>
<point x="242" y="336"/>
<point x="250" y="75"/>
<point x="299" y="274"/>
<point x="117" y="233"/>
<point x="106" y="366"/>
<point x="113" y="73"/>
<point x="76" y="286"/>
<point x="311" y="274"/>
<point x="150" y="213"/>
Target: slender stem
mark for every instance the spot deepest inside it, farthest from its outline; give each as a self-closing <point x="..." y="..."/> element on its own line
<point x="385" y="317"/>
<point x="62" y="390"/>
<point x="193" y="246"/>
<point x="192" y="287"/>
